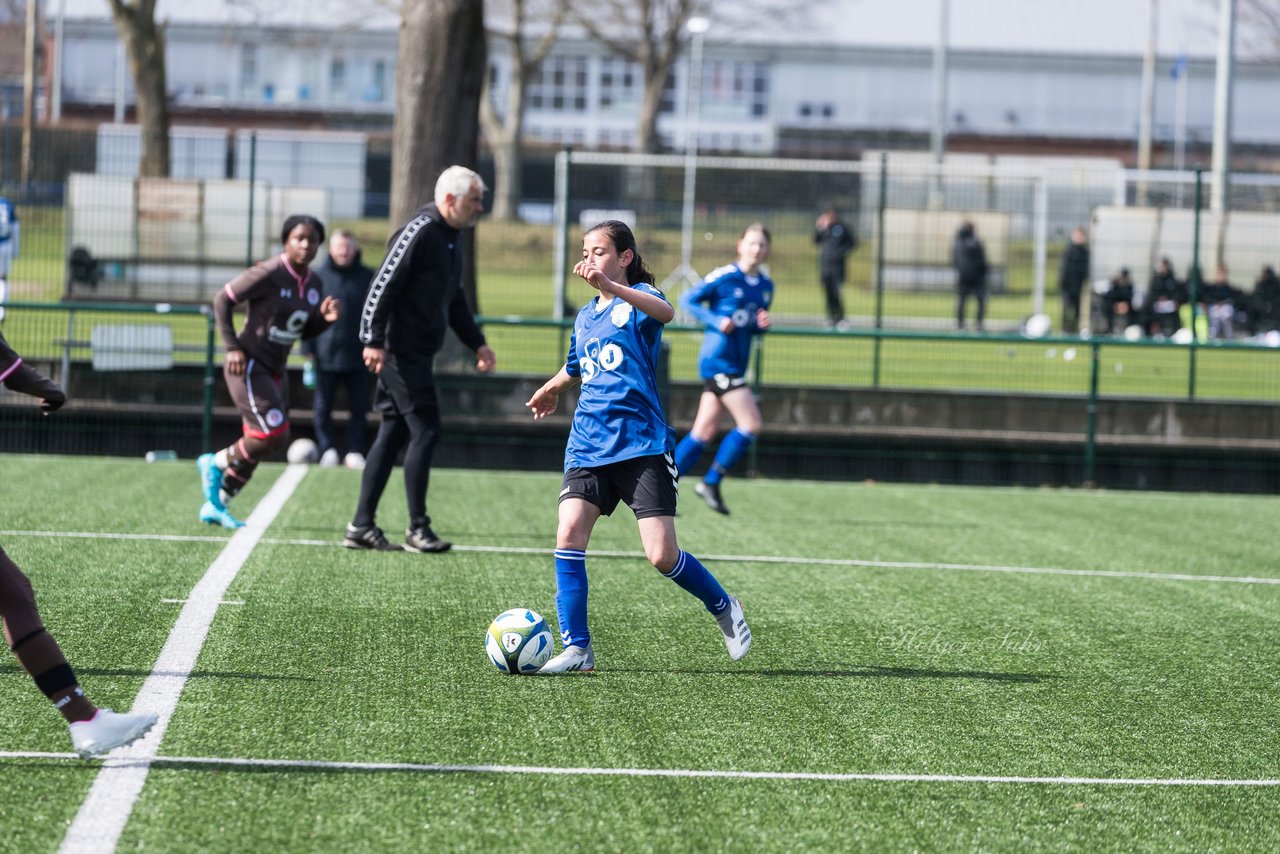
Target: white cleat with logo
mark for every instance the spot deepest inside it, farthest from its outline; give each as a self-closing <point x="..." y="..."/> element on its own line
<point x="737" y="636"/>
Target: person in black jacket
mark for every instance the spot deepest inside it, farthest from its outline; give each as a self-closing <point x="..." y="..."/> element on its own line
<point x="1073" y="274"/>
<point x="1264" y="302"/>
<point x="1165" y="298"/>
<point x="416" y="294"/>
<point x="970" y="260"/>
<point x="336" y="353"/>
<point x="1117" y="303"/>
<point x="835" y="241"/>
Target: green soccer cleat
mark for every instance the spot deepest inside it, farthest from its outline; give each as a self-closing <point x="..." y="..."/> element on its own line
<point x="211" y="514"/>
<point x="210" y="480"/>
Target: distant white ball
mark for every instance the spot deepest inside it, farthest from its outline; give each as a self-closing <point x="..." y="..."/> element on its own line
<point x="1271" y="339"/>
<point x="1182" y="336"/>
<point x="1132" y="332"/>
<point x="301" y="451"/>
<point x="1069" y="354"/>
<point x="1036" y="326"/>
<point x="518" y="641"/>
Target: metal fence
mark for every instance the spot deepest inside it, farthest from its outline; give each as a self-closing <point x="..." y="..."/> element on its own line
<point x="885" y="404"/>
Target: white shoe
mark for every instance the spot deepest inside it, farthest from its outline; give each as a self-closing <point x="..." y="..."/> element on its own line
<point x="106" y="731"/>
<point x="329" y="459"/>
<point x="737" y="636"/>
<point x="574" y="659"/>
<point x="354" y="461"/>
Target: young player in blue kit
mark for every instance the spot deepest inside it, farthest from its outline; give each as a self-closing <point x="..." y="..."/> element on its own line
<point x="617" y="449"/>
<point x="733" y="303"/>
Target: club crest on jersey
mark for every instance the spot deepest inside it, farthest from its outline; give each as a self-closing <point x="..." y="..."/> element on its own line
<point x="621" y="314"/>
<point x="274" y="418"/>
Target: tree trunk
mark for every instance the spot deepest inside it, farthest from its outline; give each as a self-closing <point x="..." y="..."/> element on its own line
<point x="440" y="73"/>
<point x="144" y="44"/>
<point x="440" y="70"/>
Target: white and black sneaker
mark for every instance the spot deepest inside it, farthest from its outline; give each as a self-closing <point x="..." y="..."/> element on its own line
<point x="107" y="730"/>
<point x="737" y="635"/>
<point x="370" y="538"/>
<point x="710" y="493"/>
<point x="574" y="659"/>
<point x="424" y="540"/>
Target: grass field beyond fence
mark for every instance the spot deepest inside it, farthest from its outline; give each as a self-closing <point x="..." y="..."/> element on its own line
<point x="933" y="669"/>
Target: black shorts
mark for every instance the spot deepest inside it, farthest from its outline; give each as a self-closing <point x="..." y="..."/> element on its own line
<point x="645" y="484"/>
<point x="722" y="384"/>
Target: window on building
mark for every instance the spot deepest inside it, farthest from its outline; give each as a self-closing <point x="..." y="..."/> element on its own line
<point x="376" y="92"/>
<point x="560" y="85"/>
<point x="618" y="82"/>
<point x="249" y="71"/>
<point x="338" y="80"/>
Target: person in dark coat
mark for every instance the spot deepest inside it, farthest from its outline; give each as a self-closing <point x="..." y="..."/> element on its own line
<point x="970" y="261"/>
<point x="336" y="353"/>
<point x="835" y="241"/>
<point x="1162" y="308"/>
<point x="1264" y="303"/>
<point x="1117" y="302"/>
<point x="1073" y="274"/>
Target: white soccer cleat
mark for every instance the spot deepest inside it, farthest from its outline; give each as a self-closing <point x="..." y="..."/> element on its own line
<point x="737" y="636"/>
<point x="107" y="730"/>
<point x="574" y="659"/>
<point x="330" y="459"/>
<point x="354" y="460"/>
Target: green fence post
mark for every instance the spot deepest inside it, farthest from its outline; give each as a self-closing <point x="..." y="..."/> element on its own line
<point x="206" y="422"/>
<point x="1091" y="423"/>
<point x="757" y="383"/>
<point x="253" y="174"/>
<point x="564" y="164"/>
<point x="1193" y="280"/>
<point x="880" y="206"/>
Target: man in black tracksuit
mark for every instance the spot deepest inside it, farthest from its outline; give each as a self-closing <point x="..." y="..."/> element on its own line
<point x="416" y="294"/>
<point x="835" y="241"/>
<point x="970" y="260"/>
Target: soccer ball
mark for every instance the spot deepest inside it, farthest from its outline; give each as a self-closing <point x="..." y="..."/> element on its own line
<point x="518" y="641"/>
<point x="301" y="451"/>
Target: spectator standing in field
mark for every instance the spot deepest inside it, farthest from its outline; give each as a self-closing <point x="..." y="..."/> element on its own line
<point x="415" y="297"/>
<point x="1117" y="302"/>
<point x="337" y="353"/>
<point x="1219" y="299"/>
<point x="1073" y="275"/>
<point x="835" y="240"/>
<point x="1264" y="302"/>
<point x="94" y="730"/>
<point x="618" y="444"/>
<point x="282" y="302"/>
<point x="970" y="261"/>
<point x="733" y="304"/>
<point x="1162" y="308"/>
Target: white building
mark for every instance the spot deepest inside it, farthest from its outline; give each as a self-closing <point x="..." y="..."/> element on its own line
<point x="1017" y="69"/>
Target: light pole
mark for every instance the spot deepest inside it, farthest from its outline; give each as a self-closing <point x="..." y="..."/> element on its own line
<point x="697" y="27"/>
<point x="938" y="140"/>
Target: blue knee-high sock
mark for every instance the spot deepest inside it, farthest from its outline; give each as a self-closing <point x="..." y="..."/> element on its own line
<point x="732" y="449"/>
<point x="687" y="453"/>
<point x="571" y="596"/>
<point x="691" y="575"/>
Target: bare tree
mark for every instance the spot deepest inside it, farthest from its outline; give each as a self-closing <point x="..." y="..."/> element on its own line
<point x="651" y="33"/>
<point x="1262" y="26"/>
<point x="505" y="132"/>
<point x="144" y="44"/>
<point x="440" y="72"/>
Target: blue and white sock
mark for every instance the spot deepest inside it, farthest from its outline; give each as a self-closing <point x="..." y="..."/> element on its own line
<point x="691" y="575"/>
<point x="571" y="596"/>
<point x="688" y="451"/>
<point x="732" y="449"/>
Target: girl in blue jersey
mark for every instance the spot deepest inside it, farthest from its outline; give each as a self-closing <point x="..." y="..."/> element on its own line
<point x="733" y="303"/>
<point x="617" y="449"/>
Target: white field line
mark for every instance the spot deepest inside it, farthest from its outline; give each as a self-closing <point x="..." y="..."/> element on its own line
<point x="106" y="809"/>
<point x="791" y="560"/>
<point x="678" y="773"/>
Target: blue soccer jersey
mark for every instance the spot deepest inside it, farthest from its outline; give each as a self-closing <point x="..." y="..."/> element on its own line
<point x="614" y="349"/>
<point x="728" y="292"/>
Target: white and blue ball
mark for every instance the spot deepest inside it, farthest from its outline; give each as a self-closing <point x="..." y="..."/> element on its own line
<point x="518" y="641"/>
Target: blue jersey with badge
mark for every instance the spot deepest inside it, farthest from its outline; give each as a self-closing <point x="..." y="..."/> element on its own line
<point x="728" y="292"/>
<point x="614" y="349"/>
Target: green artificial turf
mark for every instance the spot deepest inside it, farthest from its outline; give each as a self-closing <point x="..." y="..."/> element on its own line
<point x="902" y="630"/>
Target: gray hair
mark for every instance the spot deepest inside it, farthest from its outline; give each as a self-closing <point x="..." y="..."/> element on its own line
<point x="457" y="181"/>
